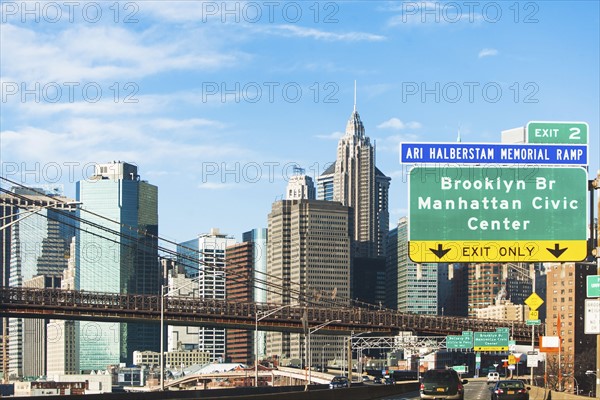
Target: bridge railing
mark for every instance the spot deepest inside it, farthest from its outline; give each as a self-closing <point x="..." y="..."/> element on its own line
<point x="58" y="303"/>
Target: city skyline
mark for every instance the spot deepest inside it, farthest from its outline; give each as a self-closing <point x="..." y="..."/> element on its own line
<point x="200" y="132"/>
<point x="161" y="125"/>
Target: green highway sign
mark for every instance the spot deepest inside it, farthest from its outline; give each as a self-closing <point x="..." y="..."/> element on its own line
<point x="461" y="369"/>
<point x="465" y="341"/>
<point x="491" y="341"/>
<point x="533" y="322"/>
<point x="557" y="132"/>
<point x="593" y="285"/>
<point x="497" y="214"/>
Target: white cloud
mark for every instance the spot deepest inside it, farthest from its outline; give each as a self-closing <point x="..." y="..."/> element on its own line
<point x="179" y="11"/>
<point x="392" y="143"/>
<point x="175" y="124"/>
<point x="102" y="53"/>
<point x="396" y="124"/>
<point x="300" y="31"/>
<point x="332" y="136"/>
<point x="96" y="140"/>
<point x="488" y="53"/>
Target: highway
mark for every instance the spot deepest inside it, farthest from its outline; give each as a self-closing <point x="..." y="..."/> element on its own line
<point x="474" y="390"/>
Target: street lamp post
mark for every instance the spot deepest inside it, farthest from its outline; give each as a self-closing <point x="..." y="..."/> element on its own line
<point x="308" y="353"/>
<point x="571" y="375"/>
<point x="162" y="337"/>
<point x="595" y="373"/>
<point x="267" y="314"/>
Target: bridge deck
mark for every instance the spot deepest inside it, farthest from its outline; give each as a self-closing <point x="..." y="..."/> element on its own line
<point x="96" y="306"/>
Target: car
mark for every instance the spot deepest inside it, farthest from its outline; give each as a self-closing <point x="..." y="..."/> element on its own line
<point x="512" y="389"/>
<point x="339" y="382"/>
<point x="389" y="381"/>
<point x="377" y="380"/>
<point x="493" y="377"/>
<point x="366" y="379"/>
<point x="438" y="384"/>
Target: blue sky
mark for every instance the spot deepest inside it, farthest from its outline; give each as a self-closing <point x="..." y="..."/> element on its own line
<point x="215" y="102"/>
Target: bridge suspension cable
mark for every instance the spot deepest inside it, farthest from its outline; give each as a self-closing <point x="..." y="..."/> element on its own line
<point x="286" y="286"/>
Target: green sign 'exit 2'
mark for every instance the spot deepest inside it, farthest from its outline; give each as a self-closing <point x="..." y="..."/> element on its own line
<point x="557" y="132"/>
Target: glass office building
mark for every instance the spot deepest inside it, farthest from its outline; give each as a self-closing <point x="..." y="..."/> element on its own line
<point x="113" y="257"/>
<point x="36" y="244"/>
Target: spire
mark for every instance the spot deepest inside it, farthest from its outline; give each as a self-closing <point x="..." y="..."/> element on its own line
<point x="355" y="95"/>
<point x="355" y="127"/>
<point x="458" y="139"/>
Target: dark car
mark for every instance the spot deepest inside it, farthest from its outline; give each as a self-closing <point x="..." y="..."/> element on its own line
<point x="389" y="381"/>
<point x="510" y="390"/>
<point x="338" y="382"/>
<point x="377" y="380"/>
<point x="444" y="384"/>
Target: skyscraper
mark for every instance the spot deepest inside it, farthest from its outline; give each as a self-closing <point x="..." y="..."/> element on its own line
<point x="412" y="287"/>
<point x="182" y="338"/>
<point x="300" y="186"/>
<point x="63" y="335"/>
<point x="119" y="260"/>
<point x="565" y="307"/>
<point x="34" y="352"/>
<point x="491" y="281"/>
<point x="35" y="242"/>
<point x="204" y="259"/>
<point x="354" y="181"/>
<point x="239" y="286"/>
<point x="485" y="282"/>
<point x="308" y="260"/>
<point x="453" y="292"/>
<point x="258" y="237"/>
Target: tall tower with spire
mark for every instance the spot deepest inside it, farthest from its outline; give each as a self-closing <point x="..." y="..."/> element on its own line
<point x="355" y="181"/>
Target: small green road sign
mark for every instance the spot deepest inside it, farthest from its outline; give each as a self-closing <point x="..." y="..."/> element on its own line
<point x="461" y="369"/>
<point x="491" y="341"/>
<point x="534" y="301"/>
<point x="593" y="285"/>
<point x="533" y="322"/>
<point x="465" y="341"/>
<point x="557" y="132"/>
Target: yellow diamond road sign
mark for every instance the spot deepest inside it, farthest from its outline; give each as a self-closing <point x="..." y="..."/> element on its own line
<point x="534" y="301"/>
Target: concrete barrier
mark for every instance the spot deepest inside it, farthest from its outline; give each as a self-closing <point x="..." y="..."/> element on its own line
<point x="316" y="392"/>
<point x="356" y="392"/>
<point x="537" y="393"/>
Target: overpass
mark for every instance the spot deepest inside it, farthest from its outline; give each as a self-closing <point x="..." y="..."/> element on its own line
<point x="294" y="374"/>
<point x="20" y="302"/>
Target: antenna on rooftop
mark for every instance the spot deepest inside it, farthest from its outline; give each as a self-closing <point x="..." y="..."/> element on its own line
<point x="355" y="95"/>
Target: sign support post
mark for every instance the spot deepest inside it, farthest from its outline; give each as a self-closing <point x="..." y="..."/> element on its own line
<point x="532" y="350"/>
<point x="596" y="185"/>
